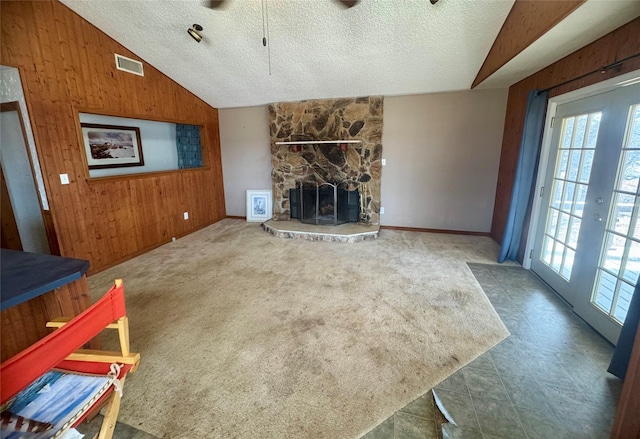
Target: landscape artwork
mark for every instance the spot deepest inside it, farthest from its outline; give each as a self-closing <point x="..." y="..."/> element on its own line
<point x="109" y="146"/>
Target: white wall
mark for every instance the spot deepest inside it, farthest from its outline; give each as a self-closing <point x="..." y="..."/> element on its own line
<point x="20" y="185"/>
<point x="158" y="141"/>
<point x="246" y="154"/>
<point x="442" y="152"/>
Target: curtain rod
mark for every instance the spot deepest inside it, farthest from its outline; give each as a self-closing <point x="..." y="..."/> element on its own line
<point x="601" y="70"/>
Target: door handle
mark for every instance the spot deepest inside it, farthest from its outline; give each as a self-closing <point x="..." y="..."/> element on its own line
<point x="597" y="217"/>
<point x="599" y="200"/>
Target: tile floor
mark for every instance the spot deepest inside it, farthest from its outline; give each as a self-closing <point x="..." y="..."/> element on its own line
<point x="547" y="380"/>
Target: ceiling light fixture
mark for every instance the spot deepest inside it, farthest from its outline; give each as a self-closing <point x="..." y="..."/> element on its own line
<point x="193" y="31"/>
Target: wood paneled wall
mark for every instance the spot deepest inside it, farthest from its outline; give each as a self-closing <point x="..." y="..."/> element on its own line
<point x="617" y="45"/>
<point x="24" y="324"/>
<point x="67" y="65"/>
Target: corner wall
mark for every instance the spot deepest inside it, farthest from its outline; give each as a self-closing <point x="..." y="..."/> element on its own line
<point x="67" y="66"/>
<point x="442" y="152"/>
<point x="246" y="157"/>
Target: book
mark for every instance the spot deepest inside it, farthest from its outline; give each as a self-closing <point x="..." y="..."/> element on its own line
<point x="51" y="404"/>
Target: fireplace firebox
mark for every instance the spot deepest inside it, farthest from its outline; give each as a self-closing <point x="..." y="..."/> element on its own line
<point x="324" y="204"/>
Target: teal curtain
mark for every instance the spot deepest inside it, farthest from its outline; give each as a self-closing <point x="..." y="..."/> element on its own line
<point x="525" y="174"/>
<point x="188" y="144"/>
<point x="620" y="361"/>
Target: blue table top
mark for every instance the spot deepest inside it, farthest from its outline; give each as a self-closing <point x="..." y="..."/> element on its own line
<point x="24" y="275"/>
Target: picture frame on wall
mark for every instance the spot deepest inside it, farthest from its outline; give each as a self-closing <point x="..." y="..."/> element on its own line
<point x="259" y="205"/>
<point x="111" y="146"/>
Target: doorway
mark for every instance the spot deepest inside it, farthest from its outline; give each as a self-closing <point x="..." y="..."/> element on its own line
<point x="586" y="244"/>
<point x="21" y="212"/>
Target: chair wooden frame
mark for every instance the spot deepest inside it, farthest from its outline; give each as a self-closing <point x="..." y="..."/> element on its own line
<point x="20" y="370"/>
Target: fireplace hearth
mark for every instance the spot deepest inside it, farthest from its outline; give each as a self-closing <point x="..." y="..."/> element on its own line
<point x="324" y="204"/>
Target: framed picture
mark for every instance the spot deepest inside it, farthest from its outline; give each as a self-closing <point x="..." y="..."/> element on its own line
<point x="258" y="206"/>
<point x="110" y="146"/>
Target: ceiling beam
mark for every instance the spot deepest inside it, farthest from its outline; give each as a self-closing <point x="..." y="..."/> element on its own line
<point x="527" y="21"/>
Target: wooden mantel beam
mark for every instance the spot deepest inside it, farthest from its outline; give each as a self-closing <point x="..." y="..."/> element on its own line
<point x="527" y="21"/>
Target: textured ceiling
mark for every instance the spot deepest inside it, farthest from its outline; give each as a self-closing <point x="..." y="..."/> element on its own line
<point x="318" y="49"/>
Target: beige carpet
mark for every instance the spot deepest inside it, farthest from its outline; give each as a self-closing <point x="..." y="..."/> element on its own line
<point x="246" y="335"/>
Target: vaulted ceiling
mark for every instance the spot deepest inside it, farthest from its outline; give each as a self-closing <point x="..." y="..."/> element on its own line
<point x="320" y="49"/>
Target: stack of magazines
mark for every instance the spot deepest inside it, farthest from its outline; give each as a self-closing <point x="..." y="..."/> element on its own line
<point x="51" y="405"/>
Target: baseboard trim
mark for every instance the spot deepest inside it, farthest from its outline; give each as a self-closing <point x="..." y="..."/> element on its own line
<point x="452" y="232"/>
<point x="236" y="217"/>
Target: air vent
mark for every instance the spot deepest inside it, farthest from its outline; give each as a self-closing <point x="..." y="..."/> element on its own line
<point x="129" y="65"/>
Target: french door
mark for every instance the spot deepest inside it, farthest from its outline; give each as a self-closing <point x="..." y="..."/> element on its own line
<point x="587" y="243"/>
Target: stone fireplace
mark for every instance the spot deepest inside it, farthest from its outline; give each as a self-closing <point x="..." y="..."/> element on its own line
<point x="356" y="167"/>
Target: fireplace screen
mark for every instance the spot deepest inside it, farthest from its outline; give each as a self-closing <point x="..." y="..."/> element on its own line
<point x="325" y="204"/>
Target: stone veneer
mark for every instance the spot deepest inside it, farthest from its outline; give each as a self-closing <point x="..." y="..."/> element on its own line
<point x="327" y="119"/>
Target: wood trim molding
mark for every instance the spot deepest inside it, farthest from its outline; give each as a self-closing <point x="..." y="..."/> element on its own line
<point x="527" y="21"/>
<point x="452" y="232"/>
<point x="236" y="217"/>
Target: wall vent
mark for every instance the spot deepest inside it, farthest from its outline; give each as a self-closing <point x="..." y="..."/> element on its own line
<point x="129" y="65"/>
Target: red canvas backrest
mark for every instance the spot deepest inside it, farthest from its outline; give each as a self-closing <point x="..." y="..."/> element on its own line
<point x="21" y="369"/>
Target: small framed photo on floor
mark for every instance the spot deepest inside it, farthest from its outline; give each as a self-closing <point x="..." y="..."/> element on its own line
<point x="259" y="205"/>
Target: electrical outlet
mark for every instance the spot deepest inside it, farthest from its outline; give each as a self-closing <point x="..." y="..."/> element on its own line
<point x="64" y="178"/>
<point x="186" y="215"/>
<point x="384" y="162"/>
<point x="382" y="211"/>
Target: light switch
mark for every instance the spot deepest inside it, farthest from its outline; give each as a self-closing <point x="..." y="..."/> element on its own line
<point x="64" y="178"/>
<point x="384" y="162"/>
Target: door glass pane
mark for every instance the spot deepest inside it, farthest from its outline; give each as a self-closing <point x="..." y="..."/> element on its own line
<point x="581" y="197"/>
<point x="547" y="250"/>
<point x="563" y="163"/>
<point x="574" y="229"/>
<point x="587" y="163"/>
<point x="619" y="264"/>
<point x="624" y="299"/>
<point x="594" y="126"/>
<point x="632" y="263"/>
<point x="563" y="226"/>
<point x="613" y="251"/>
<point x="552" y="222"/>
<point x="605" y="287"/>
<point x="574" y="165"/>
<point x="556" y="196"/>
<point x="572" y="171"/>
<point x="629" y="175"/>
<point x="620" y="217"/>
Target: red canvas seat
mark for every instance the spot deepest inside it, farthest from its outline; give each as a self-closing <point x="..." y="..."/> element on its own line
<point x="61" y="350"/>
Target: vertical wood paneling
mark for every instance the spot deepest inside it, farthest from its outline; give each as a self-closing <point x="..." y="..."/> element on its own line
<point x="619" y="44"/>
<point x="24" y="324"/>
<point x="66" y="66"/>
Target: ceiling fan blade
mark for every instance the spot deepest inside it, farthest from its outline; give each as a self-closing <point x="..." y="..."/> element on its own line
<point x="216" y="4"/>
<point x="348" y="3"/>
